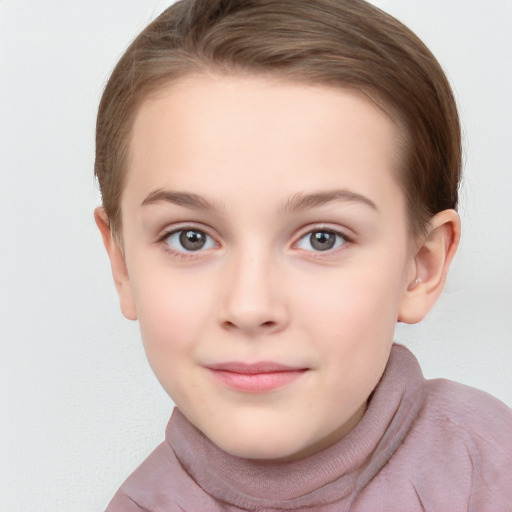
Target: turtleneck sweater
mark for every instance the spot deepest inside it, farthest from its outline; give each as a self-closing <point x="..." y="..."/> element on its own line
<point x="422" y="445"/>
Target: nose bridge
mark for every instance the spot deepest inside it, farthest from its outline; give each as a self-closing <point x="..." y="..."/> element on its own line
<point x="253" y="301"/>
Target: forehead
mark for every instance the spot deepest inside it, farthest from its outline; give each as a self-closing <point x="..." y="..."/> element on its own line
<point x="238" y="136"/>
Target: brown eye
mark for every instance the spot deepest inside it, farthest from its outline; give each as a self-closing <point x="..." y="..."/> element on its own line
<point x="190" y="240"/>
<point x="321" y="240"/>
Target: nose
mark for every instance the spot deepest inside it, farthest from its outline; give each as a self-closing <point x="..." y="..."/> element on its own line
<point x="253" y="302"/>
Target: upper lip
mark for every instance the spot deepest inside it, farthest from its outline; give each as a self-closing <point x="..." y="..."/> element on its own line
<point x="254" y="368"/>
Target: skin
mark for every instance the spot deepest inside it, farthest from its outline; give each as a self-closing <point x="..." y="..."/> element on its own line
<point x="258" y="290"/>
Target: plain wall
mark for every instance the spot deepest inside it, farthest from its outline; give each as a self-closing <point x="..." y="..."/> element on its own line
<point x="80" y="408"/>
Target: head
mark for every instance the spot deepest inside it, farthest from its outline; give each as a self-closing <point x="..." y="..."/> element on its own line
<point x="279" y="184"/>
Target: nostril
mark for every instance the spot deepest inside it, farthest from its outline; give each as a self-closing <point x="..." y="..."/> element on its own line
<point x="267" y="326"/>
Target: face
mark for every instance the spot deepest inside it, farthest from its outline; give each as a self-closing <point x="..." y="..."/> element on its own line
<point x="267" y="254"/>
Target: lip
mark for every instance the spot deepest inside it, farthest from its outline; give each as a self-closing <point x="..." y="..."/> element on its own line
<point x="258" y="377"/>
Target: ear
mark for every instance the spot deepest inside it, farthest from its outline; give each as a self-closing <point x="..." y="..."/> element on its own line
<point x="431" y="263"/>
<point x="118" y="264"/>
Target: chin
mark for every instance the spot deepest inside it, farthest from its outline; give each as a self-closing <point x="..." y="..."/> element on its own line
<point x="260" y="445"/>
<point x="264" y="451"/>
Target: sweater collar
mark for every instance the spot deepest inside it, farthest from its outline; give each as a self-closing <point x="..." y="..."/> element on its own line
<point x="336" y="473"/>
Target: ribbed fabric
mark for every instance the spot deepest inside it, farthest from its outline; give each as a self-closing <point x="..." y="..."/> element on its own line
<point x="421" y="445"/>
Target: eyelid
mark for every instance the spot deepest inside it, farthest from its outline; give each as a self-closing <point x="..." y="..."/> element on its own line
<point x="183" y="226"/>
<point x="337" y="230"/>
<point x="209" y="243"/>
<point x="167" y="232"/>
<point x="346" y="233"/>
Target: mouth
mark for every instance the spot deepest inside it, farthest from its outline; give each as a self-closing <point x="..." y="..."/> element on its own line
<point x="259" y="377"/>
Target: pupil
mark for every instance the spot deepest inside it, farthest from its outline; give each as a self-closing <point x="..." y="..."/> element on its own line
<point x="192" y="240"/>
<point x="322" y="240"/>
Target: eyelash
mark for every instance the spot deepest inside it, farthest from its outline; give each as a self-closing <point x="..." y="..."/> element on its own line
<point x="328" y="252"/>
<point x="162" y="240"/>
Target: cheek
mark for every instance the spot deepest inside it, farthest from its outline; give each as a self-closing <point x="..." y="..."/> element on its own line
<point x="171" y="311"/>
<point x="172" y="316"/>
<point x="356" y="331"/>
<point x="352" y="314"/>
<point x="354" y="298"/>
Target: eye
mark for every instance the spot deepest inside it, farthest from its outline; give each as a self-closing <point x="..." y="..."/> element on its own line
<point x="321" y="240"/>
<point x="189" y="240"/>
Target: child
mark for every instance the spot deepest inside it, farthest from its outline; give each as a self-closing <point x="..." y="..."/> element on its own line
<point x="279" y="184"/>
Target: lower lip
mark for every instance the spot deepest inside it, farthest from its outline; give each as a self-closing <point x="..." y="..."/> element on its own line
<point x="257" y="382"/>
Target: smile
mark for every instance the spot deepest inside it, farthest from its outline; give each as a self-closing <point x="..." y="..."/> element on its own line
<point x="255" y="378"/>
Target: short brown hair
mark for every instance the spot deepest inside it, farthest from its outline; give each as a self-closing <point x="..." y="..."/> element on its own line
<point x="347" y="43"/>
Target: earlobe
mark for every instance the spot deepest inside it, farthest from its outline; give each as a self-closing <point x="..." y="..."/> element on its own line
<point x="431" y="263"/>
<point x="118" y="264"/>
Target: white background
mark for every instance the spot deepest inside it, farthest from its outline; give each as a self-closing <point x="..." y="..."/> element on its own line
<point x="80" y="407"/>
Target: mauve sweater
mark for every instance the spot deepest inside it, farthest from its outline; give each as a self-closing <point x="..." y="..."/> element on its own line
<point x="422" y="445"/>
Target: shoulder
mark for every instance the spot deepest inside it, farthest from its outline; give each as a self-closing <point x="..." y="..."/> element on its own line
<point x="160" y="484"/>
<point x="473" y="413"/>
<point x="462" y="441"/>
<point x="139" y="493"/>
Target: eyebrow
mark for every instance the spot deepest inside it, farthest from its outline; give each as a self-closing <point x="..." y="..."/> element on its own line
<point x="297" y="203"/>
<point x="301" y="201"/>
<point x="187" y="199"/>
